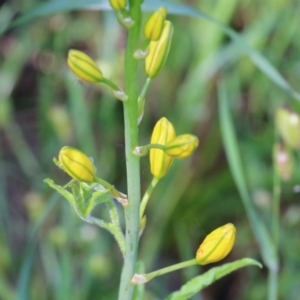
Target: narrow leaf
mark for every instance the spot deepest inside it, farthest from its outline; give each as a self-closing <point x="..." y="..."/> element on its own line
<point x="200" y="282"/>
<point x="267" y="247"/>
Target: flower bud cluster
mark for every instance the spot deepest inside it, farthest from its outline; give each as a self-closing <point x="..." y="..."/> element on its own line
<point x="167" y="146"/>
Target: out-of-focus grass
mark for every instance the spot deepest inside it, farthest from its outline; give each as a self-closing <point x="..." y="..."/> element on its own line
<point x="43" y="107"/>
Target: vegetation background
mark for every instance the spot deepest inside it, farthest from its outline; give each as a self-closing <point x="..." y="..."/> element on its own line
<point x="46" y="251"/>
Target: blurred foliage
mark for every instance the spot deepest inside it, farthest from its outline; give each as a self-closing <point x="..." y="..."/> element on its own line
<point x="46" y="251"/>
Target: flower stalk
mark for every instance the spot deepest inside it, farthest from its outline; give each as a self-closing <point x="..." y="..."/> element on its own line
<point x="132" y="162"/>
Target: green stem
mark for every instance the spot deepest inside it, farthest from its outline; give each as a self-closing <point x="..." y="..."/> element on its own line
<point x="145" y="88"/>
<point x="276" y="206"/>
<point x="142" y="278"/>
<point x="272" y="284"/>
<point x="147" y="196"/>
<point x="110" y="227"/>
<point x="273" y="272"/>
<point x="143" y="150"/>
<point x="132" y="162"/>
<point x="122" y="198"/>
<point x="117" y="91"/>
<point x="115" y="226"/>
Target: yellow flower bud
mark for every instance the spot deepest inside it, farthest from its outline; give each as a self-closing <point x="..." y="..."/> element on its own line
<point x="288" y="125"/>
<point x="117" y="4"/>
<point x="155" y="24"/>
<point x="76" y="164"/>
<point x="84" y="67"/>
<point x="216" y="245"/>
<point x="158" y="51"/>
<point x="182" y="146"/>
<point x="160" y="162"/>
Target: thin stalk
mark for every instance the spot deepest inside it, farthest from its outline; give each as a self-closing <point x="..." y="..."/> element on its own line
<point x="147" y="196"/>
<point x="132" y="162"/>
<point x="143" y="278"/>
<point x="273" y="272"/>
<point x="115" y="231"/>
<point x="172" y="268"/>
<point x="145" y="88"/>
<point x="272" y="284"/>
<point x="276" y="206"/>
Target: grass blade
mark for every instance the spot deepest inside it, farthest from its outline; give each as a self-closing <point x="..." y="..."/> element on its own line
<point x="266" y="245"/>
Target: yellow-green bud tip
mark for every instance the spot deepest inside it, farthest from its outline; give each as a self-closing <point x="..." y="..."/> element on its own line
<point x="155" y="24"/>
<point x="117" y="4"/>
<point x="182" y="146"/>
<point x="158" y="51"/>
<point x="84" y="67"/>
<point x="216" y="245"/>
<point x="76" y="164"/>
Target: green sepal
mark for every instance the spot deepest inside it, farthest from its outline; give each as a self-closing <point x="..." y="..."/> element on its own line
<point x="86" y="198"/>
<point x="60" y="189"/>
<point x="58" y="164"/>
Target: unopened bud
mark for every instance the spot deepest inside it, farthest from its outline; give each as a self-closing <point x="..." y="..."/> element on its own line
<point x="216" y="245"/>
<point x="76" y="164"/>
<point x="84" y="67"/>
<point x="117" y="4"/>
<point x="160" y="162"/>
<point x="182" y="146"/>
<point x="288" y="125"/>
<point x="158" y="51"/>
<point x="155" y="24"/>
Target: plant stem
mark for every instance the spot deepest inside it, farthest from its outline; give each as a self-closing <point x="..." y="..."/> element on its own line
<point x="143" y="278"/>
<point x="147" y="196"/>
<point x="110" y="227"/>
<point x="132" y="162"/>
<point x="273" y="272"/>
<point x="272" y="284"/>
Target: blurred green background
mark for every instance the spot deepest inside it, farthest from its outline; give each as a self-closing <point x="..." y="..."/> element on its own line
<point x="46" y="251"/>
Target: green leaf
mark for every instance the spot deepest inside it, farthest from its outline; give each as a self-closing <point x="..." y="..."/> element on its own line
<point x="200" y="282"/>
<point x="266" y="245"/>
<point x="60" y="189"/>
<point x="86" y="198"/>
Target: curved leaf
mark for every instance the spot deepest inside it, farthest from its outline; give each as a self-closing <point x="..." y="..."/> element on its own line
<point x="266" y="244"/>
<point x="200" y="282"/>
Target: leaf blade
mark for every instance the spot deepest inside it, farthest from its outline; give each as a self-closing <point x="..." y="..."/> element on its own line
<point x="200" y="282"/>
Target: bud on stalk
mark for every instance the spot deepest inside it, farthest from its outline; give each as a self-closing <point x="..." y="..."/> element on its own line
<point x="216" y="245"/>
<point x="160" y="162"/>
<point x="76" y="164"/>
